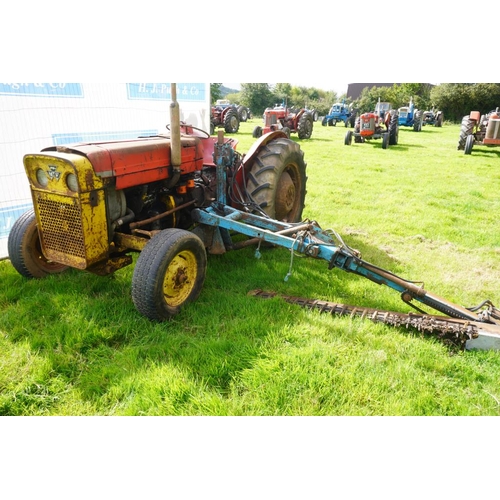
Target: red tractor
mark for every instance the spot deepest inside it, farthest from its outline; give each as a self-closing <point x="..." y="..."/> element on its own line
<point x="382" y="124"/>
<point x="479" y="129"/>
<point x="224" y="116"/>
<point x="283" y="118"/>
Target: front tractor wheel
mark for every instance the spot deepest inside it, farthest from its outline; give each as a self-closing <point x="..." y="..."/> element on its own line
<point x="257" y="132"/>
<point x="469" y="143"/>
<point x="348" y="138"/>
<point x="25" y="251"/>
<point x="385" y="140"/>
<point x="277" y="179"/>
<point x="169" y="273"/>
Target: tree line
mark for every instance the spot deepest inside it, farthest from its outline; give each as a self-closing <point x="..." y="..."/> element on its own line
<point x="455" y="100"/>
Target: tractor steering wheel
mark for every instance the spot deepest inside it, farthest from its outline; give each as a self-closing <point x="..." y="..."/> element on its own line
<point x="205" y="134"/>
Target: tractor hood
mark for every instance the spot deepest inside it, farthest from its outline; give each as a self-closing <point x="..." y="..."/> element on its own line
<point x="137" y="161"/>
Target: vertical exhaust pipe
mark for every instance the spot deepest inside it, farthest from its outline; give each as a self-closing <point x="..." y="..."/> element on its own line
<point x="175" y="136"/>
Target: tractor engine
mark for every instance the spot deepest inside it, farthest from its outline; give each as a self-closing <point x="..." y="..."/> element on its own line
<point x="493" y="126"/>
<point x="368" y="124"/>
<point x="87" y="197"/>
<point x="275" y="118"/>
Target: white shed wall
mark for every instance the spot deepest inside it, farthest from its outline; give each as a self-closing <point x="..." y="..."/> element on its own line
<point x="37" y="115"/>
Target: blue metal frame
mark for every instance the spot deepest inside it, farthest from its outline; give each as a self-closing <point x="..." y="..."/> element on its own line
<point x="306" y="238"/>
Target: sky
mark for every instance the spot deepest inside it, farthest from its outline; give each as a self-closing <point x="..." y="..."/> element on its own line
<point x="359" y="49"/>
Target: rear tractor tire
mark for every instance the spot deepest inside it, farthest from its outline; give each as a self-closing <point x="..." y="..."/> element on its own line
<point x="466" y="129"/>
<point x="242" y="113"/>
<point x="277" y="179"/>
<point x="231" y="122"/>
<point x="305" y="126"/>
<point x="169" y="274"/>
<point x="393" y="129"/>
<point x="417" y="122"/>
<point x="25" y="251"/>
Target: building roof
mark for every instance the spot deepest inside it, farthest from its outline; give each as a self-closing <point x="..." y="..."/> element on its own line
<point x="354" y="89"/>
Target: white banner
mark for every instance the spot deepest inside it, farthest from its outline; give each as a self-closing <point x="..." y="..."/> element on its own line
<point x="37" y="115"/>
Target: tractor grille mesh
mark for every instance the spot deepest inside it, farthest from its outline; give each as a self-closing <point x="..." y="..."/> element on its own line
<point x="61" y="225"/>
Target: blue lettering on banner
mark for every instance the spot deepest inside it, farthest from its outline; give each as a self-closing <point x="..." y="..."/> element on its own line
<point x="75" y="137"/>
<point x="192" y="92"/>
<point x="42" y="89"/>
<point x="9" y="215"/>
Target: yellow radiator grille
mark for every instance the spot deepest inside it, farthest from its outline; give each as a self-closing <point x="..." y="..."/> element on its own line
<point x="61" y="224"/>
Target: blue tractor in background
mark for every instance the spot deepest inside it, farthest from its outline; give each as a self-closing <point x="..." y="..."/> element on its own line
<point x="409" y="116"/>
<point x="340" y="112"/>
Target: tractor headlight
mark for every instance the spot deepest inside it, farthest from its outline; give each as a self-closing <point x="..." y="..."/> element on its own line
<point x="72" y="182"/>
<point x="42" y="178"/>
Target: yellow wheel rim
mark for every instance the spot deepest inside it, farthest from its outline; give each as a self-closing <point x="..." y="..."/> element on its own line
<point x="180" y="278"/>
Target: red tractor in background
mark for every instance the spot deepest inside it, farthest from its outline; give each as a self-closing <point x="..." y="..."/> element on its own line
<point x="479" y="129"/>
<point x="383" y="123"/>
<point x="287" y="120"/>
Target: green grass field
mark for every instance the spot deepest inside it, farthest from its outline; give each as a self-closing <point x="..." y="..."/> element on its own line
<point x="73" y="344"/>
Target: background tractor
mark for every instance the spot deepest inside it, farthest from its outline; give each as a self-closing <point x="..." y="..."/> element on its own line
<point x="288" y="120"/>
<point x="479" y="129"/>
<point x="244" y="113"/>
<point x="340" y="112"/>
<point x="314" y="113"/>
<point x="226" y="117"/>
<point x="409" y="116"/>
<point x="379" y="124"/>
<point x="433" y="117"/>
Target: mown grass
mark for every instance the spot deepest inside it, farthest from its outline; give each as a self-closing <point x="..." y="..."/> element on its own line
<point x="74" y="344"/>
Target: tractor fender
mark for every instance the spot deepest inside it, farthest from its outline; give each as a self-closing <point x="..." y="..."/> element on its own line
<point x="254" y="151"/>
<point x="259" y="143"/>
<point x="475" y="115"/>
<point x="257" y="146"/>
<point x="387" y="120"/>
